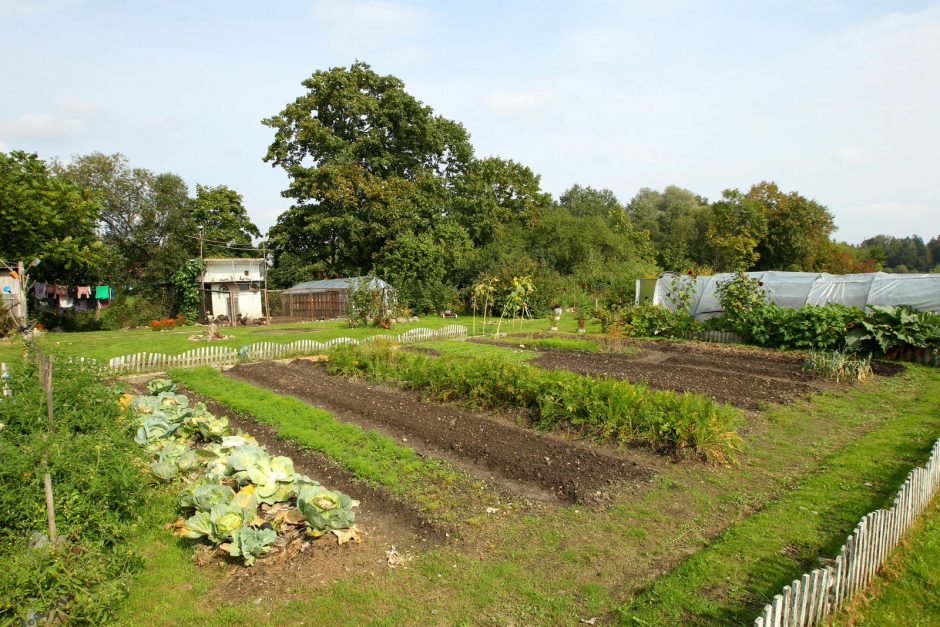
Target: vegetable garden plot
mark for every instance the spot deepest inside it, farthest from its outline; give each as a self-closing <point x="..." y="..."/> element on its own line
<point x="488" y="448"/>
<point x="747" y="379"/>
<point x="234" y="493"/>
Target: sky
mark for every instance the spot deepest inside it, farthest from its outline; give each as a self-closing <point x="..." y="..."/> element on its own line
<point x="836" y="99"/>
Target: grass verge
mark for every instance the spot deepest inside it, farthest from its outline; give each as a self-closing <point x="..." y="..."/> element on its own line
<point x="369" y="455"/>
<point x="729" y="581"/>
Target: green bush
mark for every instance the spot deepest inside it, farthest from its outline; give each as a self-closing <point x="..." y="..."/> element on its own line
<point x="887" y="330"/>
<point x="746" y="311"/>
<point x="657" y="321"/>
<point x="98" y="493"/>
<point x="603" y="408"/>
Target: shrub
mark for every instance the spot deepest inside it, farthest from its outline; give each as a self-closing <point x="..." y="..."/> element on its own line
<point x="603" y="408"/>
<point x="746" y="311"/>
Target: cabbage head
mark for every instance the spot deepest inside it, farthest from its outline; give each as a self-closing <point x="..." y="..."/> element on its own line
<point x="156" y="427"/>
<point x="249" y="543"/>
<point x="325" y="509"/>
<point x="155" y="386"/>
<point x="207" y="496"/>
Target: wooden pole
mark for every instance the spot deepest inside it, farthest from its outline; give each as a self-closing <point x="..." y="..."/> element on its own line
<point x="267" y="306"/>
<point x="45" y="379"/>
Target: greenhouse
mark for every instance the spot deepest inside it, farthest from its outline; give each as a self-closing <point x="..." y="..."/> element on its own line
<point x="795" y="289"/>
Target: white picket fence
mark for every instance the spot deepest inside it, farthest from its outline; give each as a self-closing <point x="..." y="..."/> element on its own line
<point x="816" y="595"/>
<point x="228" y="356"/>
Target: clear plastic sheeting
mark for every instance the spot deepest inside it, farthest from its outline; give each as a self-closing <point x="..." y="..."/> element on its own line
<point x="795" y="289"/>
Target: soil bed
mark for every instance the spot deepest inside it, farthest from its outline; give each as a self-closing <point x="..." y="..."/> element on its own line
<point x="520" y="460"/>
<point x="744" y="378"/>
<point x="384" y="523"/>
<point x="748" y="378"/>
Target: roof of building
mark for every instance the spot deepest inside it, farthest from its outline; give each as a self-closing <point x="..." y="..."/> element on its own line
<point x="337" y="284"/>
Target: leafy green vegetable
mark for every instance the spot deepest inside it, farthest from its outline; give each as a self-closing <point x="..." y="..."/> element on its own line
<point x="155" y="386"/>
<point x="326" y="509"/>
<point x="249" y="543"/>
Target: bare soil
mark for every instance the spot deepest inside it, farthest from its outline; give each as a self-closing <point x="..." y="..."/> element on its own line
<point x="487" y="446"/>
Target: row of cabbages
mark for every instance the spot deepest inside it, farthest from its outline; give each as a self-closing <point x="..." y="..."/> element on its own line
<point x="236" y="495"/>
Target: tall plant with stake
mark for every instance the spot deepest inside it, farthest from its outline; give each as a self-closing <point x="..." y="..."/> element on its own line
<point x="517" y="300"/>
<point x="483" y="291"/>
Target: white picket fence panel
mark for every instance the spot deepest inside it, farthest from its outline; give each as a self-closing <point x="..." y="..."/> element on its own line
<point x="228" y="356"/>
<point x="720" y="337"/>
<point x="810" y="599"/>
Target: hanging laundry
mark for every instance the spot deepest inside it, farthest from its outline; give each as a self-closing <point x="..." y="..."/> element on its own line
<point x="81" y="304"/>
<point x="65" y="302"/>
<point x="83" y="291"/>
<point x="102" y="292"/>
<point x="40" y="290"/>
<point x="61" y="290"/>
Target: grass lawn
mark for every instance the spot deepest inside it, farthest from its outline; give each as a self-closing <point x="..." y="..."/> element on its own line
<point x="103" y="345"/>
<point x="698" y="544"/>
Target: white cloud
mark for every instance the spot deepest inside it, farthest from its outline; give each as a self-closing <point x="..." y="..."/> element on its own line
<point x="518" y="102"/>
<point x="166" y="122"/>
<point x="601" y="45"/>
<point x="69" y="119"/>
<point x="77" y="107"/>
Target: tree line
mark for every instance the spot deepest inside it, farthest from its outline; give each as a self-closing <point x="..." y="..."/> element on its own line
<point x="381" y="184"/>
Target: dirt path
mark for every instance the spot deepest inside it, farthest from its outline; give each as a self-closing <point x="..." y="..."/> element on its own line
<point x="520" y="460"/>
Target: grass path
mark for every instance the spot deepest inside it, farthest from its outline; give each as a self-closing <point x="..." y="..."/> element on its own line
<point x="729" y="581"/>
<point x="563" y="564"/>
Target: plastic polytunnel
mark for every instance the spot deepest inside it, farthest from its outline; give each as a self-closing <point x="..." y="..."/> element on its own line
<point x="795" y="289"/>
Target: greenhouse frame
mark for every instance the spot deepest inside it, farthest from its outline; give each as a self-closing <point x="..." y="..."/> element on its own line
<point x="796" y="289"/>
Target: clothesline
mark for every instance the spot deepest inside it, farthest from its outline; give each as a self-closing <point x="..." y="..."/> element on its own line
<point x="69" y="296"/>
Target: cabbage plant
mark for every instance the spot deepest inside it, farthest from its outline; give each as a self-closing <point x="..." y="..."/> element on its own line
<point x="250" y="543"/>
<point x="326" y="509"/>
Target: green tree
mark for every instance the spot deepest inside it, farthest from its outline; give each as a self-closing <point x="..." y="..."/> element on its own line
<point x="736" y="229"/>
<point x="677" y="222"/>
<point x="587" y="201"/>
<point x="426" y="267"/>
<point x="798" y="229"/>
<point x="47" y="217"/>
<point x="128" y="216"/>
<point x="493" y="193"/>
<point x="366" y="162"/>
<point x="224" y="221"/>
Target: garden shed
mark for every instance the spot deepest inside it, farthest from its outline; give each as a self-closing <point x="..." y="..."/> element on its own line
<point x="233" y="287"/>
<point x="326" y="299"/>
<point x="795" y="289"/>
